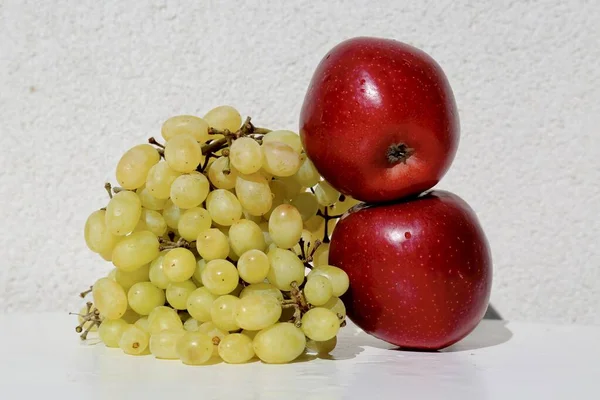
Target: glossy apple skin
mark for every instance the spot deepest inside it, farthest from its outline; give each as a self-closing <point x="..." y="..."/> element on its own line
<point x="368" y="94"/>
<point x="420" y="270"/>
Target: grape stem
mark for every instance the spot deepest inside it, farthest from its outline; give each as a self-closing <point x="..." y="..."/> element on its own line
<point x="298" y="302"/>
<point x="325" y="215"/>
<point x="168" y="244"/>
<point x="86" y="292"/>
<point x="108" y="188"/>
<point x="91" y="315"/>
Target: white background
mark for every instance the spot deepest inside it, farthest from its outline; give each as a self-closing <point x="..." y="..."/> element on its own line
<point x="82" y="81"/>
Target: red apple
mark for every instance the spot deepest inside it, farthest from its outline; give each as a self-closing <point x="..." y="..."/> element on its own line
<point x="379" y="120"/>
<point x="420" y="270"/>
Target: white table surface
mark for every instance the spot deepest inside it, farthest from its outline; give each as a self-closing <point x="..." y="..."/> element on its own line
<point x="41" y="355"/>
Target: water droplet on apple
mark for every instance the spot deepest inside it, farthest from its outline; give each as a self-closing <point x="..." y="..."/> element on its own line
<point x="407" y="235"/>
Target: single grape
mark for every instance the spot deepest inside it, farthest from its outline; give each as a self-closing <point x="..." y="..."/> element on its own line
<point x="192" y="222"/>
<point x="178" y="293"/>
<point x="199" y="304"/>
<point x="318" y="290"/>
<point x="135" y="250"/>
<point x="246" y="235"/>
<point x="183" y="153"/>
<point x="133" y="340"/>
<point x="338" y="277"/>
<point x="253" y="266"/>
<point x="286" y="268"/>
<point x="133" y="167"/>
<point x="307" y="175"/>
<point x="321" y="256"/>
<point x="224" y="117"/>
<point x="106" y="256"/>
<point x="285" y="226"/>
<point x="98" y="237"/>
<point x="113" y="274"/>
<point x="257" y="311"/>
<point x="191" y="325"/>
<point x="179" y="264"/>
<point x="250" y="334"/>
<point x="287" y="137"/>
<point x="262" y="288"/>
<point x="200" y="265"/>
<point x="109" y="298"/>
<point x="164" y="344"/>
<point x="222" y="312"/>
<point x="245" y="155"/>
<point x="279" y="343"/>
<point x="278" y="194"/>
<point x="143" y="324"/>
<point x="279" y="159"/>
<point x="254" y="193"/>
<point x="129" y="278"/>
<point x="264" y="227"/>
<point x="160" y="178"/>
<point x="186" y="125"/>
<point x="189" y="190"/>
<point x="221" y="175"/>
<point x="143" y="297"/>
<point x="152" y="221"/>
<point x="320" y="324"/>
<point x="326" y="194"/>
<point x="236" y="348"/>
<point x="110" y="331"/>
<point x="163" y="318"/>
<point x="172" y="214"/>
<point x="149" y="201"/>
<point x="336" y="305"/>
<point x="130" y="316"/>
<point x="157" y="273"/>
<point x="123" y="213"/>
<point x="216" y="334"/>
<point x="223" y="207"/>
<point x="212" y="244"/>
<point x="306" y="204"/>
<point x="324" y="347"/>
<point x="220" y="277"/>
<point x="194" y="348"/>
<point x="292" y="187"/>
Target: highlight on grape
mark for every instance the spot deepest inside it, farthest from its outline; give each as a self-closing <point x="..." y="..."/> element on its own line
<point x="219" y="237"/>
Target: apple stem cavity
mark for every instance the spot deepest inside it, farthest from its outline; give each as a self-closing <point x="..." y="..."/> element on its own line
<point x="399" y="153"/>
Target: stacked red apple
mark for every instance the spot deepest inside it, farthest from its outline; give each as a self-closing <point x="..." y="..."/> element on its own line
<point x="380" y="124"/>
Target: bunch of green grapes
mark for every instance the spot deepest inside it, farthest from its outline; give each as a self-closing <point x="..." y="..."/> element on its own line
<point x="219" y="239"/>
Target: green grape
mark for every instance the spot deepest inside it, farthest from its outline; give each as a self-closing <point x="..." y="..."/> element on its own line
<point x="135" y="250"/>
<point x="143" y="297"/>
<point x="192" y="222"/>
<point x="341" y="206"/>
<point x="292" y="187"/>
<point x="130" y="316"/>
<point x="245" y="155"/>
<point x="109" y="298"/>
<point x="215" y="333"/>
<point x="190" y="190"/>
<point x="200" y="265"/>
<point x="113" y="274"/>
<point x="321" y="256"/>
<point x="264" y="227"/>
<point x="224" y="117"/>
<point x="191" y="325"/>
<point x="183" y="153"/>
<point x="246" y="235"/>
<point x="133" y="167"/>
<point x="160" y="178"/>
<point x="324" y="347"/>
<point x="149" y="201"/>
<point x="163" y="318"/>
<point x="179" y="264"/>
<point x="220" y="277"/>
<point x="278" y="194"/>
<point x="110" y="331"/>
<point x="98" y="237"/>
<point x="279" y="159"/>
<point x="236" y="348"/>
<point x="285" y="226"/>
<point x="172" y="214"/>
<point x="258" y="311"/>
<point x="212" y="244"/>
<point x="306" y="204"/>
<point x="326" y="194"/>
<point x="336" y="305"/>
<point x="143" y="324"/>
<point x="318" y="290"/>
<point x="279" y="343"/>
<point x="250" y="334"/>
<point x="337" y="276"/>
<point x="223" y="207"/>
<point x="286" y="268"/>
<point x="152" y="221"/>
<point x="164" y="344"/>
<point x="320" y="324"/>
<point x="221" y="175"/>
<point x="186" y="125"/>
<point x="106" y="256"/>
<point x="178" y="293"/>
<point x="133" y="340"/>
<point x="254" y="193"/>
<point x="123" y="213"/>
<point x="222" y="312"/>
<point x="254" y="218"/>
<point x="287" y="137"/>
<point x="253" y="266"/>
<point x="129" y="278"/>
<point x="307" y="175"/>
<point x="199" y="304"/>
<point x="194" y="348"/>
<point x="157" y="273"/>
<point x="262" y="288"/>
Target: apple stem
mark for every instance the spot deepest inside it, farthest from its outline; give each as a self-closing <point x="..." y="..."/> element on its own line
<point x="399" y="153"/>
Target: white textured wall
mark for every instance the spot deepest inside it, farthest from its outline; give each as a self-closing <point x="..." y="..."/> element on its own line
<point x="82" y="81"/>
